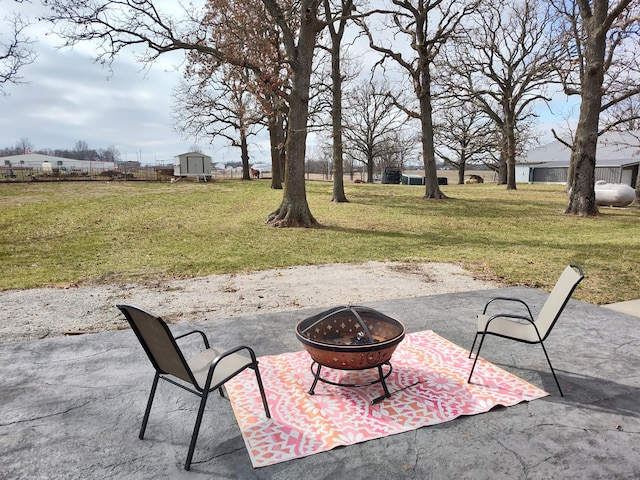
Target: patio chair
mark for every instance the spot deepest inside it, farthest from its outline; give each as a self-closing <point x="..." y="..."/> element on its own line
<point x="524" y="328"/>
<point x="202" y="374"/>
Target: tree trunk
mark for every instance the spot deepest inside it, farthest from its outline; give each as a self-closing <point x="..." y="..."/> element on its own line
<point x="336" y="125"/>
<point x="244" y="154"/>
<point x="370" y="165"/>
<point x="294" y="210"/>
<point x="571" y="173"/>
<point x="462" y="166"/>
<point x="502" y="162"/>
<point x="510" y="135"/>
<point x="428" y="150"/>
<point x="582" y="198"/>
<point x="276" y="140"/>
<point x="502" y="170"/>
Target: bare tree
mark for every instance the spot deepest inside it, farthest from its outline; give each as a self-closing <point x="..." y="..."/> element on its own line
<point x="601" y="66"/>
<point x="218" y="106"/>
<point x="503" y="62"/>
<point x="109" y="154"/>
<point x="82" y="151"/>
<point x="463" y="135"/>
<point x="254" y="47"/>
<point x="394" y="150"/>
<point x="23" y="146"/>
<point x="404" y="144"/>
<point x="427" y="25"/>
<point x="370" y="120"/>
<point x="294" y="210"/>
<point x="623" y="116"/>
<point x="16" y="52"/>
<point x="337" y="22"/>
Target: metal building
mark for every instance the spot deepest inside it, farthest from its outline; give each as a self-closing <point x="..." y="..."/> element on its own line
<point x="617" y="161"/>
<point x="48" y="163"/>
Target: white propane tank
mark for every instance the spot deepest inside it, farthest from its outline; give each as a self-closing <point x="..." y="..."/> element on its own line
<point x="614" y="194"/>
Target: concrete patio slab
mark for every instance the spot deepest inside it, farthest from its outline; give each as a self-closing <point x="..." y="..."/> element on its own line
<point x="630" y="307"/>
<point x="71" y="407"/>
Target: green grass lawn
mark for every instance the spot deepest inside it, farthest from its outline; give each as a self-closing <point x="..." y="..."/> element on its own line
<point x="94" y="232"/>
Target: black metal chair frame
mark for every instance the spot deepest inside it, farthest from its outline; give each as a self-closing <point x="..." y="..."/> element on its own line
<point x="202" y="392"/>
<point x="524" y="318"/>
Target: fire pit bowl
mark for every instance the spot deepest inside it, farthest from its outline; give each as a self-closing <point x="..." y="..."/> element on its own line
<point x="350" y="338"/>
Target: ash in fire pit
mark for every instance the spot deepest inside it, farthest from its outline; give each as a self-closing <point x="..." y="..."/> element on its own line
<point x="350" y="338"/>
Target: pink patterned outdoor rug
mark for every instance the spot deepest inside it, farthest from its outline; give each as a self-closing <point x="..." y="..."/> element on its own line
<point x="428" y="385"/>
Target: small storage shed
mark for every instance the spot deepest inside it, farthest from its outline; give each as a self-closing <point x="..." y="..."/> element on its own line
<point x="191" y="164"/>
<point x="412" y="179"/>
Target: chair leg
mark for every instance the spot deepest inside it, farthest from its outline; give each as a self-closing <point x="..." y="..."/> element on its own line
<point x="551" y="367"/>
<point x="477" y="354"/>
<point x="262" y="393"/>
<point x="196" y="429"/>
<point x="145" y="419"/>
<point x="473" y="344"/>
<point x="543" y="349"/>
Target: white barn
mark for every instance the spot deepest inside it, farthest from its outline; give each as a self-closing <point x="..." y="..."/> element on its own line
<point x="48" y="163"/>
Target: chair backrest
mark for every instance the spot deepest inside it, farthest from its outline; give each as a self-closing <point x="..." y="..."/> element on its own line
<point x="558" y="298"/>
<point x="158" y="343"/>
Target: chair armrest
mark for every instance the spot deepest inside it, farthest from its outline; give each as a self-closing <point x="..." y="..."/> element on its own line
<point x="204" y="337"/>
<point x="511" y="316"/>
<point x="233" y="370"/>
<point x="236" y="350"/>
<point x="508" y="299"/>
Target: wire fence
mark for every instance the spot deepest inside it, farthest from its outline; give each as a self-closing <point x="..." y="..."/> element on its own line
<point x="148" y="174"/>
<point x="166" y="174"/>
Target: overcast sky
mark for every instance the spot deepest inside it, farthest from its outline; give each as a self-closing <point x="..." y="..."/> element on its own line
<point x="69" y="98"/>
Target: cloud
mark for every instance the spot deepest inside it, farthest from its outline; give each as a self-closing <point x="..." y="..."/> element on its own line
<point x="68" y="98"/>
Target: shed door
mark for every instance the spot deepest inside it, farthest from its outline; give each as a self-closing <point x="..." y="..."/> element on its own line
<point x="195" y="165"/>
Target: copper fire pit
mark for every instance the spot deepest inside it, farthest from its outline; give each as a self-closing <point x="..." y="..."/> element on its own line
<point x="350" y="338"/>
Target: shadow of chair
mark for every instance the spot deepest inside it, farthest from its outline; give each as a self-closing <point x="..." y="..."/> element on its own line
<point x="207" y="371"/>
<point x="524" y="328"/>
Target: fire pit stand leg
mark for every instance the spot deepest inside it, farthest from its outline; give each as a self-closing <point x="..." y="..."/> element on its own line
<point x="316" y="367"/>
<point x="317" y="377"/>
<point x="384" y="383"/>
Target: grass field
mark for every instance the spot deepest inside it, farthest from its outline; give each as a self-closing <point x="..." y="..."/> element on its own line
<point x="71" y="233"/>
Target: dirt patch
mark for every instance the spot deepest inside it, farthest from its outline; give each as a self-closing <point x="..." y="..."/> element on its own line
<point x="50" y="312"/>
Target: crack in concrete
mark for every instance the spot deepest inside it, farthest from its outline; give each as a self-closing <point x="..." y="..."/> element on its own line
<point x="40" y="417"/>
<point x="416" y="456"/>
<point x="518" y="457"/>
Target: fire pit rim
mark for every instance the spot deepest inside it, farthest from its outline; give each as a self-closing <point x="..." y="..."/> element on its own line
<point x="345" y="348"/>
